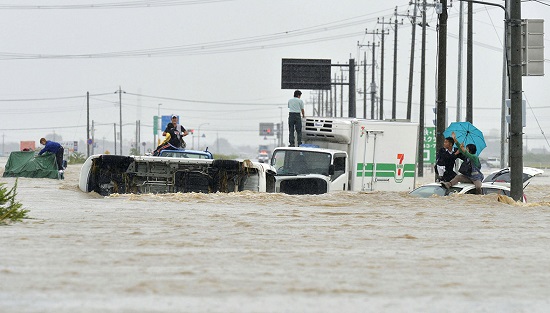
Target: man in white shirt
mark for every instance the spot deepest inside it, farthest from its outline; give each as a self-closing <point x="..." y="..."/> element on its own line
<point x="295" y="108"/>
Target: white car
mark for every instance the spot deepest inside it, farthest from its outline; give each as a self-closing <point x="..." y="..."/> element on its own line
<point x="263" y="157"/>
<point x="492" y="162"/>
<point x="497" y="182"/>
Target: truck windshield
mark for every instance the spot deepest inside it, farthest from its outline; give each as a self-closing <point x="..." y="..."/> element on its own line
<point x="293" y="162"/>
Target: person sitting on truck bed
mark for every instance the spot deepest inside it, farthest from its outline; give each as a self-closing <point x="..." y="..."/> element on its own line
<point x="179" y="132"/>
<point x="171" y="142"/>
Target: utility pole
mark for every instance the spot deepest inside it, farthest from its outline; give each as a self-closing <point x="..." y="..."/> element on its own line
<point x="120" y="91"/>
<point x="323" y="108"/>
<point x="382" y="34"/>
<point x="87" y="124"/>
<point x="137" y="135"/>
<point x="505" y="94"/>
<point x="114" y="125"/>
<point x="420" y="150"/>
<point x="335" y="95"/>
<point x="352" y="91"/>
<point x="459" y="70"/>
<point x="319" y="107"/>
<point x="93" y="137"/>
<point x="394" y="94"/>
<point x="373" y="84"/>
<point x="365" y="84"/>
<point x="411" y="64"/>
<point x="341" y="93"/>
<point x="373" y="67"/>
<point x="469" y="64"/>
<point x="516" y="125"/>
<point x="329" y="103"/>
<point x="441" y="75"/>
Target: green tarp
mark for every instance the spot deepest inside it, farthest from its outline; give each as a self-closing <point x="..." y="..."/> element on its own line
<point x="24" y="164"/>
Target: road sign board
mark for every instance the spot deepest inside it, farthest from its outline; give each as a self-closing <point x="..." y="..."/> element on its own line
<point x="429" y="145"/>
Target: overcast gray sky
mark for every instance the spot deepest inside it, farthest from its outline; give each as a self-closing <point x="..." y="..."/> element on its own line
<point x="217" y="63"/>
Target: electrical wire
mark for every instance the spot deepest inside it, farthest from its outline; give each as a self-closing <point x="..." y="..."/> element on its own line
<point x="110" y="5"/>
<point x="538" y="1"/>
<point x="222" y="46"/>
<point x="537" y="120"/>
<point x="50" y="98"/>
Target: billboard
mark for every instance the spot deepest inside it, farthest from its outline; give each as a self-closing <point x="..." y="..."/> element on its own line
<point x="306" y="74"/>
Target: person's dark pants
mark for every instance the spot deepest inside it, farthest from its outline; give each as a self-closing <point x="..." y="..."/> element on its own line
<point x="294" y="124"/>
<point x="166" y="146"/>
<point x="59" y="158"/>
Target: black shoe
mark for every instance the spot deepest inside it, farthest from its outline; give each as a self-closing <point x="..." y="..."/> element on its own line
<point x="444" y="185"/>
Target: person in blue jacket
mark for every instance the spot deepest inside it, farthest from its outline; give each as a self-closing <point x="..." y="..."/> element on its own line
<point x="55" y="148"/>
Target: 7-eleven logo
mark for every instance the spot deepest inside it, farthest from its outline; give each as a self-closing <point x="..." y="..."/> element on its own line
<point x="400" y="166"/>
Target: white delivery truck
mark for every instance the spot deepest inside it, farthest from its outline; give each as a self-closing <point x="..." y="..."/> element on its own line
<point x="348" y="154"/>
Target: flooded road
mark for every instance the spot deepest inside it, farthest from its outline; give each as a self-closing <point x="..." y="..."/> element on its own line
<point x="253" y="252"/>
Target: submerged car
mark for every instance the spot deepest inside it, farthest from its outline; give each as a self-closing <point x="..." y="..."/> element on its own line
<point x="497" y="182"/>
<point x="263" y="157"/>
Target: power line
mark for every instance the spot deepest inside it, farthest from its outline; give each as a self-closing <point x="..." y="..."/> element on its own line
<point x="50" y="98"/>
<point x="110" y="5"/>
<point x="199" y="101"/>
<point x="222" y="46"/>
<point x="541" y="2"/>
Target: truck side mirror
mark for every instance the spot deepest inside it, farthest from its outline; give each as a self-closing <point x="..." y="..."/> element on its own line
<point x="331" y="169"/>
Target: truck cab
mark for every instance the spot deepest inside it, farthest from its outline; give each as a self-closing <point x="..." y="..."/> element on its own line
<point x="348" y="154"/>
<point x="309" y="170"/>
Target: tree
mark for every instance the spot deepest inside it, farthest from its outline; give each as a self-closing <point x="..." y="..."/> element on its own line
<point x="10" y="210"/>
<point x="134" y="151"/>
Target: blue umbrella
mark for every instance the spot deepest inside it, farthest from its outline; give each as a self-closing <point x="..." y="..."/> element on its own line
<point x="467" y="133"/>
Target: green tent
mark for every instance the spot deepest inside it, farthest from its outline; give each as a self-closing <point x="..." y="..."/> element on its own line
<point x="24" y="164"/>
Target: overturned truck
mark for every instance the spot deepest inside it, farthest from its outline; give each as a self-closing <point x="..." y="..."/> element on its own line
<point x="108" y="174"/>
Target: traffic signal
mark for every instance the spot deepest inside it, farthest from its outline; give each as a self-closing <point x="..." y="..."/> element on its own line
<point x="266" y="129"/>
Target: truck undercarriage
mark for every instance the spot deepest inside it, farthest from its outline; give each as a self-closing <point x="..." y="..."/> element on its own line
<point x="126" y="174"/>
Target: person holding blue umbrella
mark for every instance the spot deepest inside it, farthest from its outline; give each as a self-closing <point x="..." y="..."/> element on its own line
<point x="466" y="134"/>
<point x="470" y="170"/>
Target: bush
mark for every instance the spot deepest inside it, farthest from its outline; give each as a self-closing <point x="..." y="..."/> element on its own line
<point x="77" y="158"/>
<point x="10" y="210"/>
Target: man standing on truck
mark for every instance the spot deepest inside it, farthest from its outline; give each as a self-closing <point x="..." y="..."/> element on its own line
<point x="295" y="108"/>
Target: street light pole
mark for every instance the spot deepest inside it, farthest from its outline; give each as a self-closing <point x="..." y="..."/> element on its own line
<point x="119" y="91"/>
<point x="281" y="130"/>
<point x="199" y="134"/>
